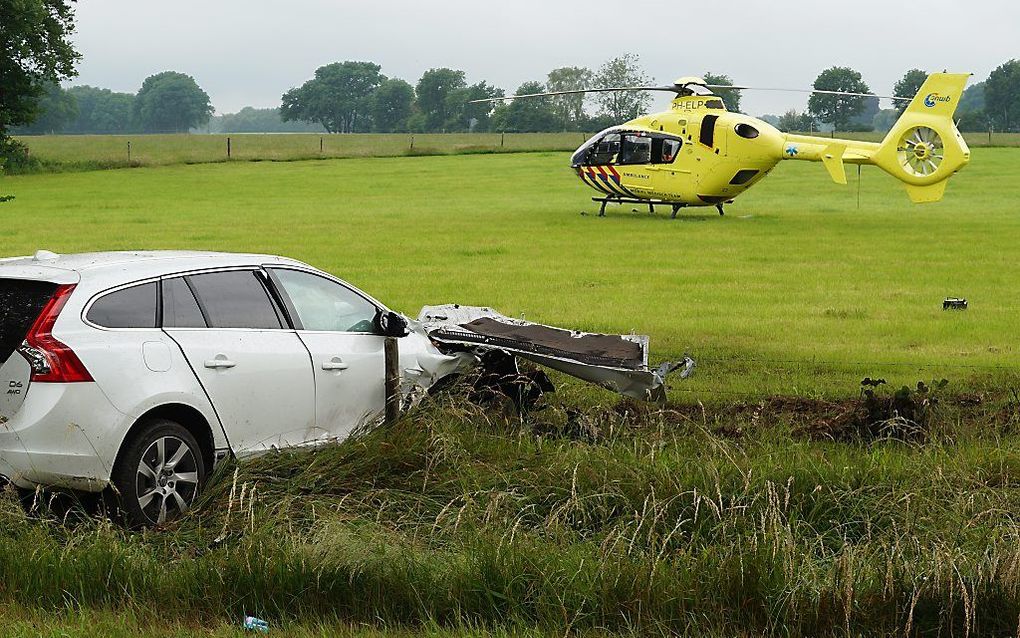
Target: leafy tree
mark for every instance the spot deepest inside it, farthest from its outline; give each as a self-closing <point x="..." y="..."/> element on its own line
<point x="865" y="120"/>
<point x="171" y="102"/>
<point x="885" y="119"/>
<point x="976" y="121"/>
<point x="101" y="111"/>
<point x="253" y="120"/>
<point x="569" y="108"/>
<point x="433" y="89"/>
<point x="339" y="96"/>
<point x="392" y="104"/>
<point x="971" y="112"/>
<point x="622" y="105"/>
<point x="973" y="98"/>
<point x="57" y="109"/>
<point x="1002" y="96"/>
<point x="35" y="50"/>
<point x="730" y="96"/>
<point x="466" y="116"/>
<point x="794" y="121"/>
<point x="789" y="121"/>
<point x="531" y="115"/>
<point x="907" y="87"/>
<point x="807" y="122"/>
<point x="838" y="110"/>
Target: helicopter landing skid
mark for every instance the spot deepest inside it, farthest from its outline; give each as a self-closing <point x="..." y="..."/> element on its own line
<point x="651" y="204"/>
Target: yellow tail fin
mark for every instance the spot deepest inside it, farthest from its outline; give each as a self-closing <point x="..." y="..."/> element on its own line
<point x="924" y="148"/>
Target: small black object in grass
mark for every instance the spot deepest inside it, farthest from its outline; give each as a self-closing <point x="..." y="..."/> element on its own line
<point x="954" y="303"/>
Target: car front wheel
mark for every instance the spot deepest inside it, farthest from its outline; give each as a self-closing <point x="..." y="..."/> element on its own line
<point x="159" y="474"/>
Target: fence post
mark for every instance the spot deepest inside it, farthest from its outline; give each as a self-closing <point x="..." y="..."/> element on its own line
<point x="129" y="151"/>
<point x="392" y="379"/>
<point x="412" y="143"/>
<point x="320" y="144"/>
<point x="989" y="136"/>
<point x="228" y="148"/>
<point x="501" y="136"/>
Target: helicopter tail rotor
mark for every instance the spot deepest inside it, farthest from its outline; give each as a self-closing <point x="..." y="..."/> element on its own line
<point x="924" y="148"/>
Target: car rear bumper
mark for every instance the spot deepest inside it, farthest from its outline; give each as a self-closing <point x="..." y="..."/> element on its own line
<point x="64" y="435"/>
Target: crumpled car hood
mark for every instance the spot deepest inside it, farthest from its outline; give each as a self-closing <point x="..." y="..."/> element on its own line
<point x="615" y="362"/>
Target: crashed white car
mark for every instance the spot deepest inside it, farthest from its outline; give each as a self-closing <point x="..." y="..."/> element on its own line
<point x="141" y="370"/>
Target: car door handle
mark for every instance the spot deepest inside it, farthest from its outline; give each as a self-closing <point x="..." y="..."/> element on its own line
<point x="220" y="362"/>
<point x="334" y="364"/>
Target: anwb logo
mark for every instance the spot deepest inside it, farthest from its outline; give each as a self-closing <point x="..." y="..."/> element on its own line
<point x="932" y="98"/>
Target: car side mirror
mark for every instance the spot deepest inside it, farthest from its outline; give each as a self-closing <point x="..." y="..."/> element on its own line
<point x="390" y="324"/>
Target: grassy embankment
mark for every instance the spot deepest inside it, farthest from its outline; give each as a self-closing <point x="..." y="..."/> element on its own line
<point x="619" y="520"/>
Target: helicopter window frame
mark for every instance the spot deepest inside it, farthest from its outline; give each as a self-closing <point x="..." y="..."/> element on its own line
<point x="661" y="155"/>
<point x="606" y="151"/>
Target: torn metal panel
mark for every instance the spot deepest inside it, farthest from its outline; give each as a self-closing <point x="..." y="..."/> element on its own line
<point x="616" y="362"/>
<point x="423" y="365"/>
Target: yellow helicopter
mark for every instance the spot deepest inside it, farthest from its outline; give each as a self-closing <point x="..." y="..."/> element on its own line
<point x="699" y="154"/>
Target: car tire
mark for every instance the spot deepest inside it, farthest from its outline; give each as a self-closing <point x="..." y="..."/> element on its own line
<point x="158" y="474"/>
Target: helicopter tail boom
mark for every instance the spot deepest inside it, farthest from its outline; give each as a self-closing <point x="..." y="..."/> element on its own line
<point x="923" y="149"/>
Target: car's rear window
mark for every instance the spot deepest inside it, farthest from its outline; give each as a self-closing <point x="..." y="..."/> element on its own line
<point x="133" y="307"/>
<point x="21" y="301"/>
<point x="236" y="299"/>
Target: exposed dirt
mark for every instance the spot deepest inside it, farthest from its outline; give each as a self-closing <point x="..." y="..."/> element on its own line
<point x="907" y="414"/>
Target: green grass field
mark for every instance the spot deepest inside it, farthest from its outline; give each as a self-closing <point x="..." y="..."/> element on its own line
<point x="728" y="512"/>
<point x="795" y="291"/>
<point x="86" y="152"/>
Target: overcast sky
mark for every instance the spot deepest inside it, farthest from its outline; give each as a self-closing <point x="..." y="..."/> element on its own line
<point x="248" y="52"/>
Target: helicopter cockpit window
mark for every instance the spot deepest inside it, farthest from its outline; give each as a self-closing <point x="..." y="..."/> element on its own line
<point x="628" y="148"/>
<point x="636" y="149"/>
<point x="605" y="151"/>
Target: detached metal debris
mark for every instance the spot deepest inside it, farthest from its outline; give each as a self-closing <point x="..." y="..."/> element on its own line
<point x="615" y="362"/>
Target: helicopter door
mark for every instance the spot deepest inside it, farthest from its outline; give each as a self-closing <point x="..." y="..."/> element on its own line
<point x="636" y="149"/>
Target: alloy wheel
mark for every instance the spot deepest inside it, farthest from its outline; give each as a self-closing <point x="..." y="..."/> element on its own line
<point x="166" y="481"/>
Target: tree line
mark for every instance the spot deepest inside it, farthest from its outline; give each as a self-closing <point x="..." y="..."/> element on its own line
<point x="167" y="102"/>
<point x="356" y="97"/>
<point x="990" y="105"/>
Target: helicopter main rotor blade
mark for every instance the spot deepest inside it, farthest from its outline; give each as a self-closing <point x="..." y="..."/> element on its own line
<point x="763" y="88"/>
<point x="671" y="89"/>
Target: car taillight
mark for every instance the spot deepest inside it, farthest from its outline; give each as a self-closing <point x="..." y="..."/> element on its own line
<point x="51" y="360"/>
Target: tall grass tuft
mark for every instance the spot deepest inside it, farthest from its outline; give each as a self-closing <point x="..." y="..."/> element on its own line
<point x="574" y="520"/>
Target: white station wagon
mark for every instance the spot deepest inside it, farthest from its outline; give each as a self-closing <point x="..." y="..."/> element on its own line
<point x="143" y="369"/>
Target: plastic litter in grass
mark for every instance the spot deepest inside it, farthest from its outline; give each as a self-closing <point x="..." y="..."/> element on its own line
<point x="256" y="624"/>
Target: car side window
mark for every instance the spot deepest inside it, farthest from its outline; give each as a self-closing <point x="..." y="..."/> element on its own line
<point x="324" y="305"/>
<point x="133" y="307"/>
<point x="180" y="308"/>
<point x="235" y="299"/>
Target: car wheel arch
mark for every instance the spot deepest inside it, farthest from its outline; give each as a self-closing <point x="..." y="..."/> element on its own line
<point x="188" y="417"/>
